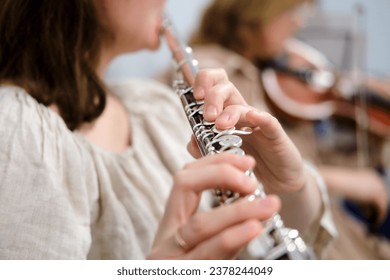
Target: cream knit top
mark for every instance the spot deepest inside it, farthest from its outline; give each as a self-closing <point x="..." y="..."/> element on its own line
<point x="61" y="197"/>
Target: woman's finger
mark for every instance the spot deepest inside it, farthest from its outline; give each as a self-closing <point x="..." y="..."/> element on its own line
<point x="241" y="162"/>
<point x="216" y="91"/>
<point x="246" y="116"/>
<point x="193" y="148"/>
<point x="196" y="180"/>
<point x="269" y="125"/>
<point x="202" y="226"/>
<point x="227" y="244"/>
<point x="207" y="78"/>
<point x="224" y="171"/>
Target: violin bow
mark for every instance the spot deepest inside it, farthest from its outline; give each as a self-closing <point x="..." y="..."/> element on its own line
<point x="358" y="67"/>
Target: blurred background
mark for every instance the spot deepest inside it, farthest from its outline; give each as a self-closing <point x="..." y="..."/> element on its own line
<point x="345" y="31"/>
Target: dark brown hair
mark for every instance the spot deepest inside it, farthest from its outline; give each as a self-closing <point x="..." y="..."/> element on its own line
<point x="50" y="48"/>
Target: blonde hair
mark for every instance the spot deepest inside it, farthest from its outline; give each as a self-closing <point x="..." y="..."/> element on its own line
<point x="227" y="22"/>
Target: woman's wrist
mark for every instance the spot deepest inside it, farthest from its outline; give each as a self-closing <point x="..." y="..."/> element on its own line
<point x="305" y="206"/>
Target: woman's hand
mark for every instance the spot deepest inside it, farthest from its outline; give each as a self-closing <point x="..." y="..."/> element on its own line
<point x="222" y="232"/>
<point x="279" y="164"/>
<point x="362" y="185"/>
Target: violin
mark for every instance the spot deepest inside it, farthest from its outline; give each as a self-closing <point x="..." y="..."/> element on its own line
<point x="302" y="84"/>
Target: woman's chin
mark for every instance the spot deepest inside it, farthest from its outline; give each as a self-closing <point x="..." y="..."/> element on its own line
<point x="154" y="44"/>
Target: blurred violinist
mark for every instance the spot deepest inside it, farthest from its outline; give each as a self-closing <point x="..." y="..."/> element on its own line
<point x="239" y="36"/>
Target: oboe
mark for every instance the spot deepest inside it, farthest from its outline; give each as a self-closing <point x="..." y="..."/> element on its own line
<point x="277" y="241"/>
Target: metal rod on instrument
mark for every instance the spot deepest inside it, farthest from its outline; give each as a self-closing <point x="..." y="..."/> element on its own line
<point x="182" y="54"/>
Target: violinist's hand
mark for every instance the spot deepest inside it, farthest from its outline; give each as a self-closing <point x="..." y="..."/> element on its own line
<point x="279" y="164"/>
<point x="361" y="185"/>
<point x="222" y="232"/>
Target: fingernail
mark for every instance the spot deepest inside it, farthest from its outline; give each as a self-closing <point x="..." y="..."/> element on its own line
<point x="211" y="111"/>
<point x="267" y="201"/>
<point x="250" y="226"/>
<point x="199" y="93"/>
<point x="247" y="180"/>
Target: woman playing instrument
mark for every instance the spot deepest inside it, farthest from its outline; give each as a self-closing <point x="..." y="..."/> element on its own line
<point x="235" y="35"/>
<point x="91" y="170"/>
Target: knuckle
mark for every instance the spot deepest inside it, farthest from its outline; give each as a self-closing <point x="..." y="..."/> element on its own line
<point x="197" y="225"/>
<point x="223" y="158"/>
<point x="201" y="73"/>
<point x="272" y="119"/>
<point x="222" y="72"/>
<point x="225" y="169"/>
<point x="242" y="210"/>
<point x="231" y="86"/>
<point x="179" y="180"/>
<point x="186" y="166"/>
<point x="210" y="94"/>
<point x="225" y="243"/>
